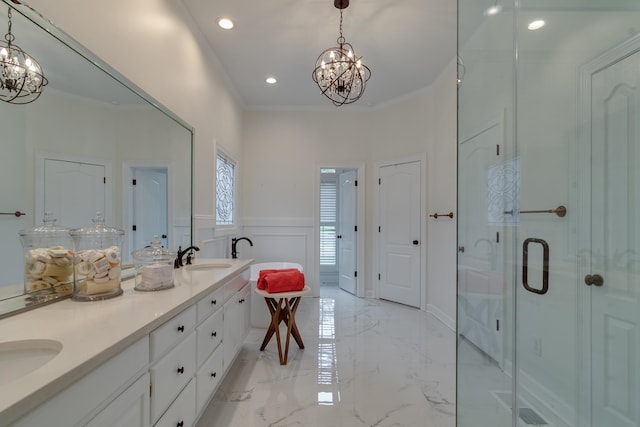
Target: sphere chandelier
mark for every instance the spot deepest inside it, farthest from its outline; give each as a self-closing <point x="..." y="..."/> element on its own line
<point x="21" y="77"/>
<point x="339" y="72"/>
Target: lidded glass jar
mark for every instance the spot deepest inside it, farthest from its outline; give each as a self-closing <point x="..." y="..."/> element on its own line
<point x="154" y="267"/>
<point x="48" y="258"/>
<point x="97" y="269"/>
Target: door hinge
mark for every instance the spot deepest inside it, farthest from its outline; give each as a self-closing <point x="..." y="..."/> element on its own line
<point x="134" y="228"/>
<point x="133" y="182"/>
<point x="355" y="274"/>
<point x="497" y="237"/>
<point x="497" y="324"/>
<point x="497" y="149"/>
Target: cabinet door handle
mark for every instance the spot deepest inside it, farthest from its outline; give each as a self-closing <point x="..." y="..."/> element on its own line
<point x="213" y="375"/>
<point x="180" y="424"/>
<point x="214" y="301"/>
<point x="181" y="370"/>
<point x="214" y="333"/>
<point x="181" y="328"/>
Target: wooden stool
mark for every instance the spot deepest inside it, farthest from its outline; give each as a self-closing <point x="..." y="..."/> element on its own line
<point x="283" y="306"/>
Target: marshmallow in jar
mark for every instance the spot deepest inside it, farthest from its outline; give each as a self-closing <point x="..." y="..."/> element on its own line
<point x="48" y="259"/>
<point x="97" y="268"/>
<point x="154" y="267"/>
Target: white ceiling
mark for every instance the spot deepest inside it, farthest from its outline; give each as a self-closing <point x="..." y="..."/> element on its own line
<point x="405" y="43"/>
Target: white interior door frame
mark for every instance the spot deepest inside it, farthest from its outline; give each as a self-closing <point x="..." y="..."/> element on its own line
<point x="43" y="156"/>
<point x="360" y="176"/>
<point x="422" y="159"/>
<point x="127" y="208"/>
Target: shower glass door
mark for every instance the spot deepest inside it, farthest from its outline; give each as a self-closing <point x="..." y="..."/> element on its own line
<point x="549" y="213"/>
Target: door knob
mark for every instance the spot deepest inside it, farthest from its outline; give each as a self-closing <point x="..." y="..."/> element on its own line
<point x="416" y="242"/>
<point x="594" y="279"/>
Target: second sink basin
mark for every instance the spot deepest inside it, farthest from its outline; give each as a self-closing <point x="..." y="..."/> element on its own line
<point x="18" y="358"/>
<point x="204" y="267"/>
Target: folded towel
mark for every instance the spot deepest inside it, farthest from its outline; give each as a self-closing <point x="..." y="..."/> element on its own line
<point x="261" y="283"/>
<point x="284" y="281"/>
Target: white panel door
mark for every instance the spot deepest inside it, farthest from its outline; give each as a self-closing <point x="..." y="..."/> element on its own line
<point x="615" y="244"/>
<point x="480" y="262"/>
<point x="347" y="225"/>
<point x="400" y="249"/>
<point x="73" y="191"/>
<point x="149" y="206"/>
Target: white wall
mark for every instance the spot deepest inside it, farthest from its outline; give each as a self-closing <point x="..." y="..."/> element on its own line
<point x="283" y="149"/>
<point x="278" y="150"/>
<point x="152" y="44"/>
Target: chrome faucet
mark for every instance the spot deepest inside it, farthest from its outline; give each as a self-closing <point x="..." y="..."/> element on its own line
<point x="180" y="254"/>
<point x="234" y="243"/>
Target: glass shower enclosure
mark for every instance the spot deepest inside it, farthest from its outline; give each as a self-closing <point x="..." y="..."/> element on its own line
<point x="549" y="213"/>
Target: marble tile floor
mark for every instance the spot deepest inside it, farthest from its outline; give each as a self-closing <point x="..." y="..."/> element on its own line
<point x="366" y="362"/>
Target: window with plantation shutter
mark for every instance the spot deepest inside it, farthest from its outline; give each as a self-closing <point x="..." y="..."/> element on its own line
<point x="328" y="217"/>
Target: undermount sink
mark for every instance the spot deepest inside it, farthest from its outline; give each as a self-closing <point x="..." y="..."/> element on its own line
<point x="18" y="358"/>
<point x="204" y="267"/>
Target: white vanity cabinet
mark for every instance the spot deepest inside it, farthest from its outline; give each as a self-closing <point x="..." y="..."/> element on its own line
<point x="100" y="392"/>
<point x="166" y="377"/>
<point x="236" y="324"/>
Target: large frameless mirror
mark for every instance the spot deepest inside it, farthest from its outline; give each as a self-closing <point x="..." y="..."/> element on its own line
<point x="91" y="142"/>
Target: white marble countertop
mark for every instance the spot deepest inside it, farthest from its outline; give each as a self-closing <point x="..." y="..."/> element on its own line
<point x="93" y="332"/>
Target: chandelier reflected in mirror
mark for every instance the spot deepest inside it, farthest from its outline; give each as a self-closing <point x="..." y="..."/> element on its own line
<point x="340" y="73"/>
<point x="21" y="77"/>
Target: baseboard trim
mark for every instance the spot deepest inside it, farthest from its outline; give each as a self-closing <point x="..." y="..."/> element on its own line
<point x="442" y="316"/>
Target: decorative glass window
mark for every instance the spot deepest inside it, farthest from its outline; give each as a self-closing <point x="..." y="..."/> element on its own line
<point x="225" y="182"/>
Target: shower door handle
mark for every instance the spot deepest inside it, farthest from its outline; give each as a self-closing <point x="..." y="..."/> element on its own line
<point x="545" y="266"/>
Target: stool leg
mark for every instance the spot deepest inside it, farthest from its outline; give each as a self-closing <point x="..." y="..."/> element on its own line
<point x="276" y="323"/>
<point x="294" y="327"/>
<point x="271" y="303"/>
<point x="290" y="322"/>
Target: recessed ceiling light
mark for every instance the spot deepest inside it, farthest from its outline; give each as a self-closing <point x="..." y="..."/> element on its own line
<point x="536" y="25"/>
<point x="493" y="10"/>
<point x="225" y="23"/>
<point x="271" y="80"/>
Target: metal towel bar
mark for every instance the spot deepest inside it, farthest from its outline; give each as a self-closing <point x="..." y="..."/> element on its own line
<point x="437" y="215"/>
<point x="561" y="211"/>
<point x="16" y="213"/>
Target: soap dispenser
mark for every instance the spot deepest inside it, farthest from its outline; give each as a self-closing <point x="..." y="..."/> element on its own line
<point x="97" y="269"/>
<point x="48" y="259"/>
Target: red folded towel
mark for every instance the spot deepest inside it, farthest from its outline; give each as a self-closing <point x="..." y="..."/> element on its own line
<point x="284" y="281"/>
<point x="261" y="283"/>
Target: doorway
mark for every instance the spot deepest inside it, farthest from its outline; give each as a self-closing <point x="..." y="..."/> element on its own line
<point x="148" y="205"/>
<point x="340" y="214"/>
<point x="401" y="213"/>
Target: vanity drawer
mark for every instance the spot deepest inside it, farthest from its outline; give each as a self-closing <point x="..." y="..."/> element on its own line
<point x="208" y="378"/>
<point x="182" y="411"/>
<point x="209" y="335"/>
<point x="171" y="374"/>
<point x="164" y="337"/>
<point x="210" y="304"/>
<point x="235" y="284"/>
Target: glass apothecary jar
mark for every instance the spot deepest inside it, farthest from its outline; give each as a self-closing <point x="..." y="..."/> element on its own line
<point x="97" y="269"/>
<point x="154" y="267"/>
<point x="48" y="259"/>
